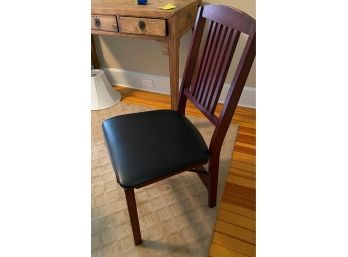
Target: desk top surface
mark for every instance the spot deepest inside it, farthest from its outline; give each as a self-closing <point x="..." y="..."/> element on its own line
<point x="131" y="8"/>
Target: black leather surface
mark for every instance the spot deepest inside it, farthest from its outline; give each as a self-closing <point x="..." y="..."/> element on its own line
<point x="148" y="145"/>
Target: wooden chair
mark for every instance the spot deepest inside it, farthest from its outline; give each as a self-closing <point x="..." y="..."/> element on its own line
<point x="149" y="146"/>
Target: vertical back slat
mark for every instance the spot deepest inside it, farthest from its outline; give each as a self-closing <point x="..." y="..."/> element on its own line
<point x="205" y="55"/>
<point x="211" y="85"/>
<point x="209" y="62"/>
<point x="196" y="84"/>
<point x="205" y="61"/>
<point x="223" y="69"/>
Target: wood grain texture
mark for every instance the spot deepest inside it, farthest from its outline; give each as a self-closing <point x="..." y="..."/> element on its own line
<point x="187" y="17"/>
<point x="131" y="8"/>
<point x="237" y="207"/>
<point x="133" y="215"/>
<point x="155" y="27"/>
<point x="104" y="22"/>
<point x="121" y="34"/>
<point x="94" y="56"/>
<point x="173" y="49"/>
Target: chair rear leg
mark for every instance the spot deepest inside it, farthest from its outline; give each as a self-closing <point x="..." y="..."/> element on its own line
<point x="133" y="215"/>
<point x="213" y="181"/>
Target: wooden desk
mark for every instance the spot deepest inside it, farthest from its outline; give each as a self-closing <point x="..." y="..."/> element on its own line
<point x="127" y="18"/>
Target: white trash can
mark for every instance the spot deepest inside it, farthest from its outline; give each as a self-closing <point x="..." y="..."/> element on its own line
<point x="103" y="95"/>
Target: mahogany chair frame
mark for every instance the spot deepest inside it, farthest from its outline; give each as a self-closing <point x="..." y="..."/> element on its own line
<point x="203" y="85"/>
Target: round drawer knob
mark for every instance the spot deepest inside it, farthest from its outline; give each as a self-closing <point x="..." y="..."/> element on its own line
<point x="97" y="22"/>
<point x="141" y="25"/>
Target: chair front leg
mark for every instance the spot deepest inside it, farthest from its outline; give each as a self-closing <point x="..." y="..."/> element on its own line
<point x="213" y="181"/>
<point x="133" y="215"/>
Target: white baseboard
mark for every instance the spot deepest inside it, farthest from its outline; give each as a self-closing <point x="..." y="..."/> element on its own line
<point x="161" y="84"/>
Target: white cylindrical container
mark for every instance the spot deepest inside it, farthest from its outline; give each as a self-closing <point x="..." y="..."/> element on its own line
<point x="103" y="95"/>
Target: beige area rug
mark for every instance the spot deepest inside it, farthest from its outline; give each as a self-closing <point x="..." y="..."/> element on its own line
<point x="174" y="216"/>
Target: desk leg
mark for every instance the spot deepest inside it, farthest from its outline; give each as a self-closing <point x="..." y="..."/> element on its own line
<point x="173" y="51"/>
<point x="95" y="61"/>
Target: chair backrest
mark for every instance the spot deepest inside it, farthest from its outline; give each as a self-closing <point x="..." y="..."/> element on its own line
<point x="206" y="69"/>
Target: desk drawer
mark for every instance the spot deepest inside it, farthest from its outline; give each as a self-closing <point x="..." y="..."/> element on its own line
<point x="143" y="26"/>
<point x="104" y="22"/>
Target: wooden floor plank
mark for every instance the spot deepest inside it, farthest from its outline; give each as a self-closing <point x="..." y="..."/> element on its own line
<point x="247" y="139"/>
<point x="235" y="231"/>
<point x="234" y="244"/>
<point x="246" y="145"/>
<point x="237" y="219"/>
<point x="243" y="157"/>
<point x="241" y="181"/>
<point x="249" y="213"/>
<point x="247" y="130"/>
<point x="243" y="166"/>
<point x="238" y="200"/>
<point x="244" y="149"/>
<point x="243" y="174"/>
<point x="220" y="251"/>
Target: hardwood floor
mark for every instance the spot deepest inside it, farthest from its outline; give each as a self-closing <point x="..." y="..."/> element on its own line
<point x="235" y="229"/>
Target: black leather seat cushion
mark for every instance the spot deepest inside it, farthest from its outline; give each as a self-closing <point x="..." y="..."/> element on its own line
<point x="149" y="145"/>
